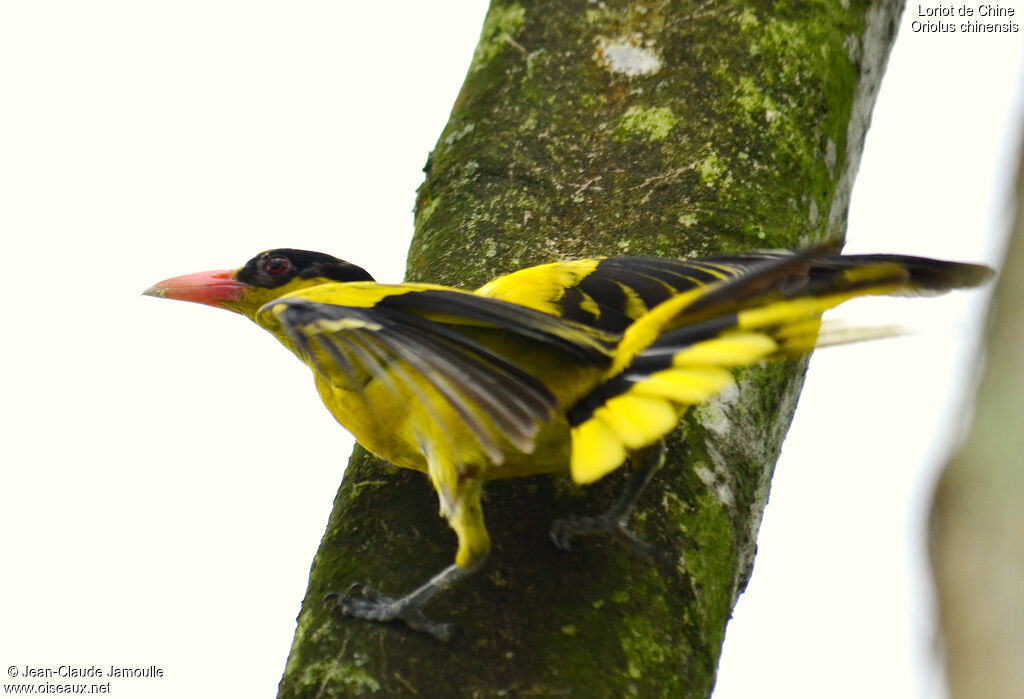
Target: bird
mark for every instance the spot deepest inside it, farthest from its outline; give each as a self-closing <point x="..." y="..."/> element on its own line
<point x="575" y="367"/>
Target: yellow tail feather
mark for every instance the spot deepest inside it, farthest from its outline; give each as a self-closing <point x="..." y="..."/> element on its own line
<point x="638" y="420"/>
<point x="596" y="451"/>
<point x="730" y="350"/>
<point x="685" y="386"/>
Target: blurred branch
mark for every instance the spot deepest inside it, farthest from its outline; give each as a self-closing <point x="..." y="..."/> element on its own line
<point x="977" y="527"/>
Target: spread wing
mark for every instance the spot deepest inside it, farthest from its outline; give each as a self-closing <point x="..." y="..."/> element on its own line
<point x="465" y="347"/>
<point x="610" y="293"/>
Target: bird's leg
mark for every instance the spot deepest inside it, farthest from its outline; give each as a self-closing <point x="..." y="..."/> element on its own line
<point x="615" y="520"/>
<point x="364" y="602"/>
<point x="460" y="505"/>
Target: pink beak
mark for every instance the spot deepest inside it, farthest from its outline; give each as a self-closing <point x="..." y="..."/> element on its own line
<point x="212" y="288"/>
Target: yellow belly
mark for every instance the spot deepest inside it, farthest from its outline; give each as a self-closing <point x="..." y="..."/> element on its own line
<point x="407" y="430"/>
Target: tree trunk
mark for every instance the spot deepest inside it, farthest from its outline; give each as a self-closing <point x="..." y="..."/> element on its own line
<point x="599" y="128"/>
<point x="977" y="523"/>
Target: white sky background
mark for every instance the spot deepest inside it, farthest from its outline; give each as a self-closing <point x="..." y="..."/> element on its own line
<point x="168" y="469"/>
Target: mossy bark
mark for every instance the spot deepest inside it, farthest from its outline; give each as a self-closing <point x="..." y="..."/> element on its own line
<point x="583" y="128"/>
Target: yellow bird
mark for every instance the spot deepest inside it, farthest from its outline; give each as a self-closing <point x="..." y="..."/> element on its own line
<point x="570" y="367"/>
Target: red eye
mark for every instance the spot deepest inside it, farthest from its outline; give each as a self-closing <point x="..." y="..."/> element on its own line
<point x="276" y="266"/>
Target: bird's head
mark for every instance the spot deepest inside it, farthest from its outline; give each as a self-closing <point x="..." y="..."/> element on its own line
<point x="263" y="278"/>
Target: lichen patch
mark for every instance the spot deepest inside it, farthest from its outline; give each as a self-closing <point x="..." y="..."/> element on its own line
<point x="630" y="56"/>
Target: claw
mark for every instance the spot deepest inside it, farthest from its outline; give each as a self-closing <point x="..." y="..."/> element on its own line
<point x="562" y="533"/>
<point x="365" y="602"/>
<point x="366" y="592"/>
<point x="374" y="606"/>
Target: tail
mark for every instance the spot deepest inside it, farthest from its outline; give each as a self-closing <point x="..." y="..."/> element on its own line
<point x="682" y="351"/>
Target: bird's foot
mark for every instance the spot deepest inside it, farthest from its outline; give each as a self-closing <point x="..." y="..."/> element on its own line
<point x="615" y="520"/>
<point x="365" y="602"/>
<point x="565" y="531"/>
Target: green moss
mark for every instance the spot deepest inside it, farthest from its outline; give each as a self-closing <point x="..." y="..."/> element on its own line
<point x="643" y="645"/>
<point x="711" y="169"/>
<point x="757" y="104"/>
<point x="500" y="26"/>
<point x="351" y="677"/>
<point x="748" y="19"/>
<point x="653" y="123"/>
<point x="686" y="220"/>
<point x="426" y="208"/>
<point x="713" y="562"/>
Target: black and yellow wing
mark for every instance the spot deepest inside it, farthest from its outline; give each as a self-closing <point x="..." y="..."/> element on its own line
<point x="490" y="361"/>
<point x="680" y="353"/>
<point x="610" y="293"/>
